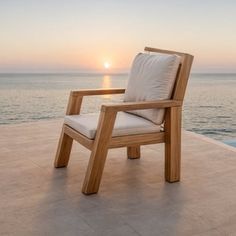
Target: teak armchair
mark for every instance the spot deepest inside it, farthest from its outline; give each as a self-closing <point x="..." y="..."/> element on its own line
<point x="104" y="139"/>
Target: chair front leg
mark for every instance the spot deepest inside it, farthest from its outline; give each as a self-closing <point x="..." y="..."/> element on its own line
<point x="133" y="152"/>
<point x="99" y="153"/>
<point x="65" y="141"/>
<point x="63" y="150"/>
<point x="173" y="144"/>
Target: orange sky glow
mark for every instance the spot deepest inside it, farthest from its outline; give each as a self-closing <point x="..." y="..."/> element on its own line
<point x="81" y="36"/>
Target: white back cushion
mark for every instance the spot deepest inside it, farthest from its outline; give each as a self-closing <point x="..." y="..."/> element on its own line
<point x="152" y="77"/>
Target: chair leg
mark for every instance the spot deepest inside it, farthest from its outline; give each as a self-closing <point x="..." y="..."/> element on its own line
<point x="99" y="153"/>
<point x="94" y="172"/>
<point x="63" y="150"/>
<point x="173" y="144"/>
<point x="133" y="152"/>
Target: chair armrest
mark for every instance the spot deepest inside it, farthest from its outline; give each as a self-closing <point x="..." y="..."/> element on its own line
<point x="76" y="98"/>
<point x="128" y="106"/>
<point x="91" y="92"/>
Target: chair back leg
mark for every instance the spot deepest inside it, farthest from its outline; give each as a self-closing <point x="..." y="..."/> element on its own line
<point x="173" y="144"/>
<point x="63" y="150"/>
<point x="133" y="152"/>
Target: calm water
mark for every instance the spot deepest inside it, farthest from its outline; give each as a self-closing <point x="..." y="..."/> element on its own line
<point x="209" y="109"/>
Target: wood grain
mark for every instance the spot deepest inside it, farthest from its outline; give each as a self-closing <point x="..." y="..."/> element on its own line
<point x="128" y="106"/>
<point x="137" y="139"/>
<point x="63" y="149"/>
<point x="80" y="138"/>
<point x="151" y="49"/>
<point x="99" y="152"/>
<point x="92" y="92"/>
<point x="74" y="104"/>
<point x="133" y="152"/>
<point x="172" y="144"/>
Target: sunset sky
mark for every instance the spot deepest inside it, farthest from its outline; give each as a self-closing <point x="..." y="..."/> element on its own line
<point x="83" y="36"/>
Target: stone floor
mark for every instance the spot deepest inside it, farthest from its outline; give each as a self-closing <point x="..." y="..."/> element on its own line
<point x="36" y="199"/>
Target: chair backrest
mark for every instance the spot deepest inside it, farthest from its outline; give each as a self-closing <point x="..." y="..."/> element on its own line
<point x="182" y="74"/>
<point x="163" y="75"/>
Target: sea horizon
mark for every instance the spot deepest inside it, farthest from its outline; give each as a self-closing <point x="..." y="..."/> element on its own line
<point x="209" y="107"/>
<point x="101" y="73"/>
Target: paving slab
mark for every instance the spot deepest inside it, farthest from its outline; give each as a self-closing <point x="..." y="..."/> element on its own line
<point x="134" y="199"/>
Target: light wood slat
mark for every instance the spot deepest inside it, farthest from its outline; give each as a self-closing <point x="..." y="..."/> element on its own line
<point x="128" y="106"/>
<point x="92" y="92"/>
<point x="86" y="142"/>
<point x="138" y="139"/>
<point x="150" y="49"/>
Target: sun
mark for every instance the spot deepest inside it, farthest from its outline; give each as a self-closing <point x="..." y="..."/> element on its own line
<point x="107" y="65"/>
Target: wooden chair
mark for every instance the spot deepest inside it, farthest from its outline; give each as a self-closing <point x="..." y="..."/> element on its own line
<point x="104" y="140"/>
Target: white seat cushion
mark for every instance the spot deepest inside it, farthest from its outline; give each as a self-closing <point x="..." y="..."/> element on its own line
<point x="125" y="124"/>
<point x="152" y="77"/>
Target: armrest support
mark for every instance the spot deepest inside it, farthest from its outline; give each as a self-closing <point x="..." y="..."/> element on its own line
<point x="128" y="106"/>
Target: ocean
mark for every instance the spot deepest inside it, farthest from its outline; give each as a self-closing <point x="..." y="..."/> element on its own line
<point x="209" y="107"/>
